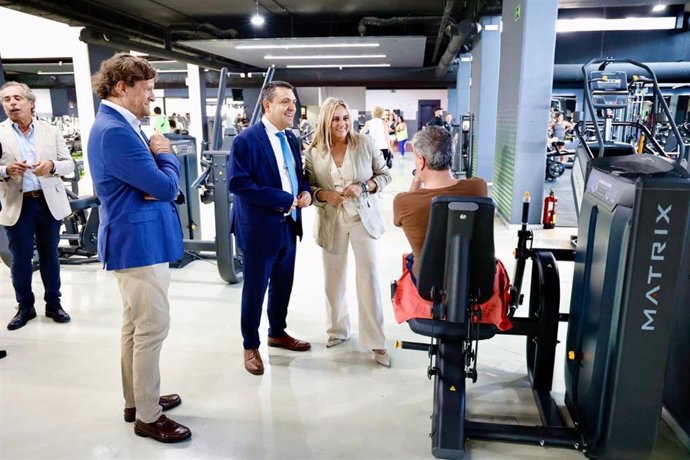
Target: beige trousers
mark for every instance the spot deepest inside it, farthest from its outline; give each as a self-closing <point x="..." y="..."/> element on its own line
<point x="145" y="324"/>
<point x="350" y="231"/>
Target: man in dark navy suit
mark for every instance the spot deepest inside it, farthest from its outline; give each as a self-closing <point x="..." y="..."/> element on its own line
<point x="265" y="171"/>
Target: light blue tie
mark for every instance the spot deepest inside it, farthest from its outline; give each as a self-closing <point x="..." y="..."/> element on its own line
<point x="290" y="165"/>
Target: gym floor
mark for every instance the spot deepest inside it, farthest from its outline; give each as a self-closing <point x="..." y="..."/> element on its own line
<point x="60" y="393"/>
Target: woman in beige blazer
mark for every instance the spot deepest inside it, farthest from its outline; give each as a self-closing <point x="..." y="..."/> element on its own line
<point x="346" y="173"/>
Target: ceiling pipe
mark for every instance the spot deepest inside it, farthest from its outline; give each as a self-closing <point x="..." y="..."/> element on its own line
<point x="464" y="31"/>
<point x="396" y="21"/>
<point x="444" y="20"/>
<point x="113" y="41"/>
<point x="196" y="28"/>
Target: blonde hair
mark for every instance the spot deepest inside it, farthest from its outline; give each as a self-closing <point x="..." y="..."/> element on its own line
<point x="322" y="134"/>
<point x="377" y="112"/>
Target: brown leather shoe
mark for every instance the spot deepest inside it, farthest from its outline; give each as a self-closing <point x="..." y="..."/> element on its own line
<point x="162" y="430"/>
<point x="166" y="402"/>
<point x="253" y="362"/>
<point x="289" y="343"/>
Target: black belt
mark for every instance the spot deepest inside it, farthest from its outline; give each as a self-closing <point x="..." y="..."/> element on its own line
<point x="34" y="194"/>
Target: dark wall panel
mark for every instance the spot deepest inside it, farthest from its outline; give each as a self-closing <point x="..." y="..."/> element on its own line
<point x="646" y="46"/>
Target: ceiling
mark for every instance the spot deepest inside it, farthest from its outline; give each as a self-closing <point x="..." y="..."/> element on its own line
<point x="413" y="35"/>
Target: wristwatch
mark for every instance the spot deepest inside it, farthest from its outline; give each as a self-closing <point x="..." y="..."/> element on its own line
<point x="365" y="186"/>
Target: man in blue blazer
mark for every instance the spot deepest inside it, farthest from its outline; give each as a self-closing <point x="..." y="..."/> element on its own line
<point x="136" y="180"/>
<point x="265" y="175"/>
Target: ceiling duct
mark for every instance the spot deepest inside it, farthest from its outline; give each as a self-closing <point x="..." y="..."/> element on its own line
<point x="396" y="21"/>
<point x="196" y="29"/>
<point x="123" y="43"/>
<point x="464" y="31"/>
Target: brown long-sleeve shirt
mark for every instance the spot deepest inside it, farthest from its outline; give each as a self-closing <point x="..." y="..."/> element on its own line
<point x="411" y="210"/>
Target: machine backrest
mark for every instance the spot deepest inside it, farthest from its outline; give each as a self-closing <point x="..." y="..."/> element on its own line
<point x="472" y="218"/>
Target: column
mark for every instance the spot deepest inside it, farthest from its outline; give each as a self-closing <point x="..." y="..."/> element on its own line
<point x="2" y="82"/>
<point x="198" y="122"/>
<point x="484" y="94"/>
<point x="87" y="60"/>
<point x="527" y="54"/>
<point x="463" y="83"/>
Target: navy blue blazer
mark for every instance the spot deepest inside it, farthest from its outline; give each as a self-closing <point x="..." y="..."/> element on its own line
<point x="133" y="231"/>
<point x="260" y="201"/>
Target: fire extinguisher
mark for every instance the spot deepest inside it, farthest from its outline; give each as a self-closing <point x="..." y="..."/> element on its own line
<point x="549" y="218"/>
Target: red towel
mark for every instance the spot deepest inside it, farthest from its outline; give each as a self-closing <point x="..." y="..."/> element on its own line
<point x="408" y="304"/>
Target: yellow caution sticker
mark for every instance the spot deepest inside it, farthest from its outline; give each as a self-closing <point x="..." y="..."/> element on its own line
<point x="452" y="388"/>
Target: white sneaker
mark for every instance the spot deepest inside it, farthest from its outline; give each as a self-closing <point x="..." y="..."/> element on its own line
<point x="382" y="357"/>
<point x="333" y="341"/>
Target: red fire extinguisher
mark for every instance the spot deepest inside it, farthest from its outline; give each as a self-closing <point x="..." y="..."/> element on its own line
<point x="549" y="218"/>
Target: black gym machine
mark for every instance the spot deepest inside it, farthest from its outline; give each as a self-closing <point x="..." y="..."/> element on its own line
<point x="629" y="278"/>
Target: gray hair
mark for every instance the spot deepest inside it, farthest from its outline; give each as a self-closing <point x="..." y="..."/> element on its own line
<point x="28" y="94"/>
<point x="435" y="144"/>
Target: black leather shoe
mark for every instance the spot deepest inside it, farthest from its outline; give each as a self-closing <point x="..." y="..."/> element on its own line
<point x="57" y="314"/>
<point x="22" y="317"/>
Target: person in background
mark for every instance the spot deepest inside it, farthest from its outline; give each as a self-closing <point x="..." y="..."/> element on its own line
<point x="401" y="134"/>
<point x="137" y="179"/>
<point x="559" y="127"/>
<point x="433" y="151"/>
<point x="376" y="128"/>
<point x="346" y="173"/>
<point x="390" y="123"/>
<point x="33" y="200"/>
<point x="265" y="175"/>
<point x="438" y="118"/>
<point x="160" y="122"/>
<point x="305" y="129"/>
<point x="448" y="122"/>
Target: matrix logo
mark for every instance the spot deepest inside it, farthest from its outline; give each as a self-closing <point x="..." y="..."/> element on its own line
<point x="663" y="221"/>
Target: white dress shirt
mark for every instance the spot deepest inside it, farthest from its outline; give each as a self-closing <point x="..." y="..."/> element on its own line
<point x="271" y="131"/>
<point x="134" y="122"/>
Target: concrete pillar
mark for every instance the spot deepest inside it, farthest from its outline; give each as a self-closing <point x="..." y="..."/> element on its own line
<point x="484" y="94"/>
<point x="2" y="82"/>
<point x="198" y="122"/>
<point x="528" y="43"/>
<point x="463" y="83"/>
<point x="87" y="59"/>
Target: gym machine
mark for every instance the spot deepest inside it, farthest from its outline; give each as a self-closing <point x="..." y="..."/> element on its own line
<point x="462" y="146"/>
<point x="630" y="275"/>
<point x="81" y="226"/>
<point x="213" y="185"/>
<point x="616" y="120"/>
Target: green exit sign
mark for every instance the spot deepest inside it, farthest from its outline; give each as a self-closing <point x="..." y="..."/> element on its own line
<point x="517" y="12"/>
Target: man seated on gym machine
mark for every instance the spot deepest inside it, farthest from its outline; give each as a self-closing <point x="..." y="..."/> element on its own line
<point x="433" y="152"/>
<point x="433" y="156"/>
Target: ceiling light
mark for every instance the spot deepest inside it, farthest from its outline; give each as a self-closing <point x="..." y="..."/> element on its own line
<point x="658" y="7"/>
<point x="42" y="72"/>
<point x="598" y="24"/>
<point x="287" y="47"/>
<point x="332" y="66"/>
<point x="257" y="20"/>
<point x="330" y="56"/>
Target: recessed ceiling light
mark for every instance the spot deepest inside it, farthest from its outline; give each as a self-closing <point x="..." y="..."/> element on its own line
<point x="658" y="7"/>
<point x="296" y="46"/>
<point x="599" y="24"/>
<point x="332" y="66"/>
<point x="330" y="56"/>
<point x="257" y="20"/>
